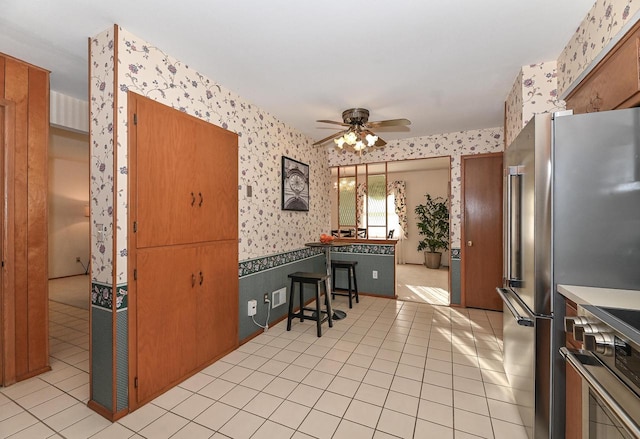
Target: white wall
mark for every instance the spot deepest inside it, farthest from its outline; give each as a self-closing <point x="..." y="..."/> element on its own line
<point x="68" y="196"/>
<point x="419" y="183"/>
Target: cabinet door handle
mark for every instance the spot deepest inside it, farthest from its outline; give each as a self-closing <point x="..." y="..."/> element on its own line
<point x="193" y="280"/>
<point x="193" y="199"/>
<point x="201" y="278"/>
<point x="201" y="199"/>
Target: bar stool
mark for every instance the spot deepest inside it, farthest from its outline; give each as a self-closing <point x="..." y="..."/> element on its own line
<point x="350" y="266"/>
<point x="320" y="316"/>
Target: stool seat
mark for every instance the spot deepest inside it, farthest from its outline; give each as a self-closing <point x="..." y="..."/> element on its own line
<point x="350" y="266"/>
<point x="308" y="277"/>
<point x="319" y="315"/>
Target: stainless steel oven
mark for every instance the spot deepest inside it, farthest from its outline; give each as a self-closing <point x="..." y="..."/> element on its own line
<point x="609" y="365"/>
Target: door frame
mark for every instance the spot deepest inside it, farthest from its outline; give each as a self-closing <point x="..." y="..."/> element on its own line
<point x="7" y="288"/>
<point x="463" y="240"/>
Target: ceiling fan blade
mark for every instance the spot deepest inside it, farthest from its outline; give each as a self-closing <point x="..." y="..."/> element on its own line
<point x="379" y="143"/>
<point x="333" y="136"/>
<point x="389" y="123"/>
<point x="334" y="122"/>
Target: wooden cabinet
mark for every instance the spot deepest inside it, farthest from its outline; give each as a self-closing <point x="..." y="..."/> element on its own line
<point x="615" y="82"/>
<point x="24" y="317"/>
<point x="183" y="299"/>
<point x="187" y="190"/>
<point x="573" y="386"/>
<point x="217" y="305"/>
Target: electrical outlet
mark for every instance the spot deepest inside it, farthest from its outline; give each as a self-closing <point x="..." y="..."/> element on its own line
<point x="252" y="308"/>
<point x="375" y="274"/>
<point x="266" y="297"/>
<point x="77" y="258"/>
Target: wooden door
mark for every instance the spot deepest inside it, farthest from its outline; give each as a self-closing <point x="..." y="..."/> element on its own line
<point x="217" y="309"/>
<point x="481" y="230"/>
<point x="187" y="178"/>
<point x="24" y="97"/>
<point x="167" y="287"/>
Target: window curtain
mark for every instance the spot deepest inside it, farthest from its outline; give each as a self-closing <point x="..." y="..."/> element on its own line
<point x="361" y="196"/>
<point x="399" y="191"/>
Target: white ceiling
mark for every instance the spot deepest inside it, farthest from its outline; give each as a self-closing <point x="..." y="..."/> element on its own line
<point x="446" y="66"/>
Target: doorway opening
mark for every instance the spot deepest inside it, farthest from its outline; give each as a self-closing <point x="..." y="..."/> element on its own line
<point x="362" y="208"/>
<point x="414" y="281"/>
<point x="69" y="257"/>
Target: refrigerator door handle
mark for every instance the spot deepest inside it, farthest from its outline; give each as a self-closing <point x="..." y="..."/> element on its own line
<point x="522" y="321"/>
<point x="514" y="268"/>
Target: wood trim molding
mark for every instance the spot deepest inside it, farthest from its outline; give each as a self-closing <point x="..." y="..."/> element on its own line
<point x="132" y="255"/>
<point x="89" y="70"/>
<point x="114" y="228"/>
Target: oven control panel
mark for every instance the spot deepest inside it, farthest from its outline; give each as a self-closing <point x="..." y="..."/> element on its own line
<point x="603" y="332"/>
<point x="628" y="361"/>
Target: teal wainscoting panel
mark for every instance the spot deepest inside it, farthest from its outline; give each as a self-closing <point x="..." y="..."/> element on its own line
<point x="255" y="285"/>
<point x="122" y="360"/>
<point x="102" y="356"/>
<point x="370" y="258"/>
<point x="455" y="277"/>
<point x="384" y="285"/>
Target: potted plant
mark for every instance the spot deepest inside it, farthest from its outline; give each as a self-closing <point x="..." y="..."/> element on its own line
<point x="433" y="224"/>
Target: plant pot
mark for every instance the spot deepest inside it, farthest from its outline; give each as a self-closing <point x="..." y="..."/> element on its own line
<point x="432" y="260"/>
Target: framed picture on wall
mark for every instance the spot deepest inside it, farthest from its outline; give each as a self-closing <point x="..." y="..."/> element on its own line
<point x="295" y="185"/>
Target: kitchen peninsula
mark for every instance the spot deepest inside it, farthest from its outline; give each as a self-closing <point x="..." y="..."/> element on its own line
<point x="376" y="264"/>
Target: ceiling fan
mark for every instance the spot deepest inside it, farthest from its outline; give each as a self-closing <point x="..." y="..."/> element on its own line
<point x="358" y="134"/>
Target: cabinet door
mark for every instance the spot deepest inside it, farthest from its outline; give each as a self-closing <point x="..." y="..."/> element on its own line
<point x="217" y="300"/>
<point x="165" y="313"/>
<point x="573" y="428"/>
<point x="186" y="178"/>
<point x="613" y="83"/>
<point x="573" y="384"/>
<point x="216" y="174"/>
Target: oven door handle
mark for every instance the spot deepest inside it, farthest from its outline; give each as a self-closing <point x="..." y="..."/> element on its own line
<point x="601" y="392"/>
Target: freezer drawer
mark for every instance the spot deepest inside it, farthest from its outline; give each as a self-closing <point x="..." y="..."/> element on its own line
<point x="526" y="362"/>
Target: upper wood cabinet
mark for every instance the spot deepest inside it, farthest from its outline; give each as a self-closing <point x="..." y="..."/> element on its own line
<point x="615" y="82"/>
<point x="187" y="190"/>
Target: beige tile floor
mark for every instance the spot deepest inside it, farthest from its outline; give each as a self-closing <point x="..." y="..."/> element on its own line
<point x="418" y="283"/>
<point x="391" y="369"/>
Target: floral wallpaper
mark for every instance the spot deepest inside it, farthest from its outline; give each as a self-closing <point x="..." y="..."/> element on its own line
<point x="540" y="90"/>
<point x="513" y="110"/>
<point x="451" y="144"/>
<point x="102" y="155"/>
<point x="600" y="26"/>
<point x="263" y="140"/>
<point x="535" y="91"/>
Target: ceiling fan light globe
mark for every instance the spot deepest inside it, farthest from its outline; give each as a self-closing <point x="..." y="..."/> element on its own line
<point x="351" y="138"/>
<point x="339" y="142"/>
<point x="359" y="146"/>
<point x="371" y="139"/>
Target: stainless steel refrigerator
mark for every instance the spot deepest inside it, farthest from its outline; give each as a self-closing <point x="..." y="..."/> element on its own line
<point x="572" y="216"/>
